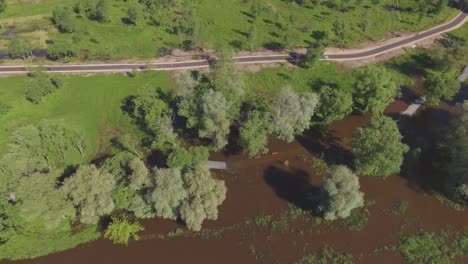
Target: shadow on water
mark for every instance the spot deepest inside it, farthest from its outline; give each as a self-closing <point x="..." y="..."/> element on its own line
<point x="425" y="131"/>
<point x="293" y="187"/>
<point x="322" y="142"/>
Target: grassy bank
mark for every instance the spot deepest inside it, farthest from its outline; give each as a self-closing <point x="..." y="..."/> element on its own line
<point x="90" y="105"/>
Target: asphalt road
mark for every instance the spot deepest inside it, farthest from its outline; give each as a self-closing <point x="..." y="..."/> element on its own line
<point x="194" y="64"/>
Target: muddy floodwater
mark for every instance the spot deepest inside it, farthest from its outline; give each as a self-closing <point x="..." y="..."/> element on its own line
<point x="266" y="185"/>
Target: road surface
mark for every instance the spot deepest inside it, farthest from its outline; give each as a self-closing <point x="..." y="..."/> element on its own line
<point x="458" y="21"/>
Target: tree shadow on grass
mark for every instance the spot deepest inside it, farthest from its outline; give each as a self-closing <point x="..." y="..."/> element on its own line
<point x="322" y="142"/>
<point x="293" y="187"/>
<point x="416" y="64"/>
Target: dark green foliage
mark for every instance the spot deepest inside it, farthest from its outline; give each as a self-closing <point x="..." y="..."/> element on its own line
<point x="151" y="112"/>
<point x="3" y="5"/>
<point x="39" y="87"/>
<point x="254" y="133"/>
<point x="374" y="90"/>
<point x="19" y="48"/>
<point x="313" y="54"/>
<point x="326" y="256"/>
<point x="455" y="149"/>
<point x="188" y="158"/>
<point x="65" y="19"/>
<point x="378" y="148"/>
<point x="335" y="104"/>
<point x="61" y="49"/>
<point x="441" y="85"/>
<point x="102" y="11"/>
<point x="135" y="13"/>
<point x="425" y="248"/>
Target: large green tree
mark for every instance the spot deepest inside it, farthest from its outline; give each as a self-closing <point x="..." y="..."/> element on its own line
<point x="292" y="113"/>
<point x="169" y="192"/>
<point x="335" y="104"/>
<point x="378" y="148"/>
<point x="204" y="195"/>
<point x="40" y="200"/>
<point x="215" y="122"/>
<point x="254" y="133"/>
<point x="342" y="195"/>
<point x="374" y="90"/>
<point x="455" y="147"/>
<point x="90" y="190"/>
<point x="441" y="85"/>
<point x="151" y="112"/>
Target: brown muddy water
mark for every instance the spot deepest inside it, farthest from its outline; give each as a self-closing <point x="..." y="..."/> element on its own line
<point x="267" y="185"/>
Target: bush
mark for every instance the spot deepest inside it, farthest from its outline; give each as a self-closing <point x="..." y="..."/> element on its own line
<point x="120" y="231"/>
<point x="61" y="50"/>
<point x="424" y="248"/>
<point x="39" y="87"/>
<point x="326" y="256"/>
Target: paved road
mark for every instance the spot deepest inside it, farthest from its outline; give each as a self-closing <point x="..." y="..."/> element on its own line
<point x="194" y="64"/>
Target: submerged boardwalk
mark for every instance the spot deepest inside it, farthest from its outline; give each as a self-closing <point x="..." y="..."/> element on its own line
<point x="217" y="165"/>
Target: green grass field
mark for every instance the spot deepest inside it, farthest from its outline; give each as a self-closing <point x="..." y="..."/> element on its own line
<point x="91" y="105"/>
<point x="222" y="23"/>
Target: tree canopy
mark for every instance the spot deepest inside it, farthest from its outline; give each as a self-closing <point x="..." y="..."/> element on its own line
<point x="378" y="148"/>
<point x="341" y="188"/>
<point x="335" y="104"/>
<point x="441" y="85"/>
<point x="374" y="90"/>
<point x="292" y="113"/>
<point x="90" y="190"/>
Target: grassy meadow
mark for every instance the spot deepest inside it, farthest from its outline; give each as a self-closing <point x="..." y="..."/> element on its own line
<point x="90" y="105"/>
<point x="220" y="24"/>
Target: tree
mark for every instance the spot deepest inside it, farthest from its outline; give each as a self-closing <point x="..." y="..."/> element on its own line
<point x="341" y="188"/>
<point x="455" y="146"/>
<point x="90" y="190"/>
<point x="169" y="192"/>
<point x="39" y="87"/>
<point x="292" y="113"/>
<point x="40" y="201"/>
<point x="335" y="104"/>
<point x="135" y="13"/>
<point x="374" y="90"/>
<point x="61" y="49"/>
<point x="378" y="148"/>
<point x="40" y="148"/>
<point x="102" y="11"/>
<point x="19" y="48"/>
<point x="187" y="158"/>
<point x="313" y="54"/>
<point x="254" y="133"/>
<point x="228" y="80"/>
<point x="120" y="231"/>
<point x="204" y="195"/>
<point x="151" y="112"/>
<point x="215" y="122"/>
<point x="3" y="5"/>
<point x="340" y="29"/>
<point x="64" y="19"/>
<point x="441" y="84"/>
